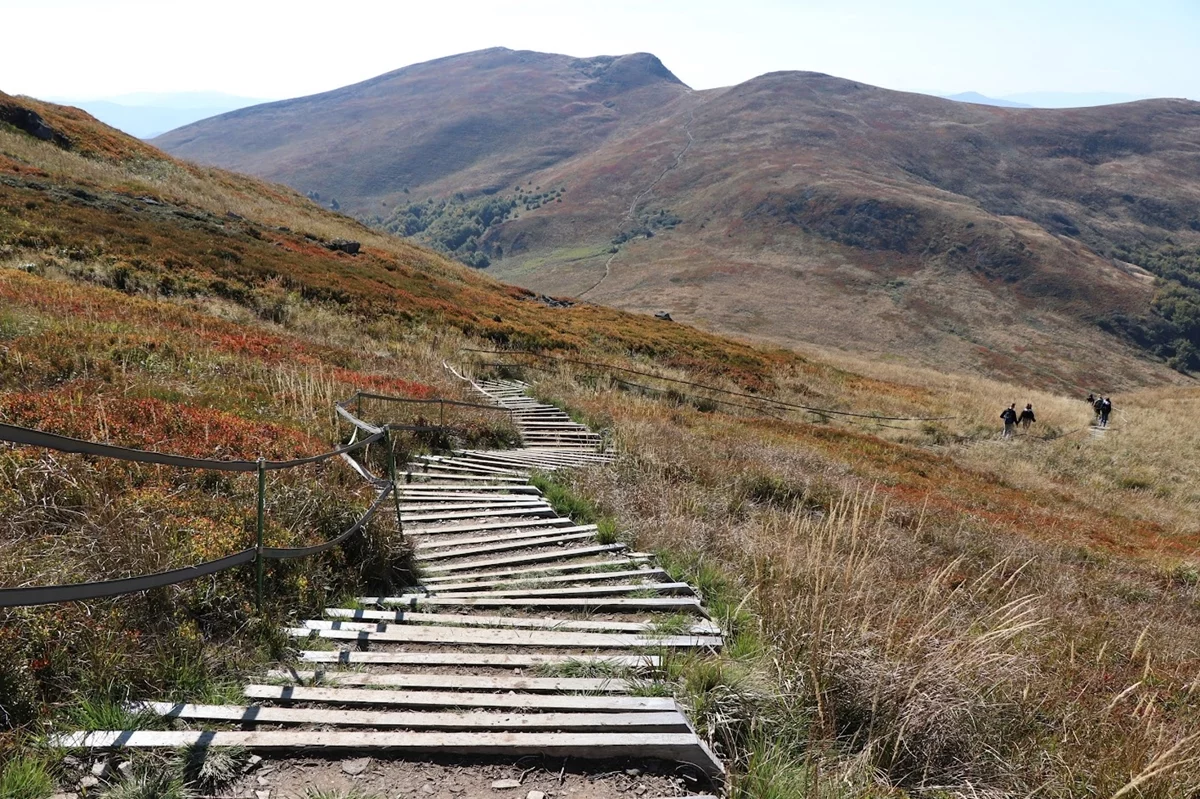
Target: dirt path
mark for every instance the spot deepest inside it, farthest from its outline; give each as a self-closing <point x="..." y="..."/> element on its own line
<point x="631" y="214"/>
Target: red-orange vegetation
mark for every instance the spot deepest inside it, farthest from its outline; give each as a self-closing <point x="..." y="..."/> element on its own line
<point x="79" y="410"/>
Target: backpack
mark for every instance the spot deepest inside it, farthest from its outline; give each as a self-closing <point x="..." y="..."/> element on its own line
<point x="1106" y="405"/>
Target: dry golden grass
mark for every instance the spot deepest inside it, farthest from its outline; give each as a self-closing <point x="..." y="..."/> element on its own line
<point x="926" y="646"/>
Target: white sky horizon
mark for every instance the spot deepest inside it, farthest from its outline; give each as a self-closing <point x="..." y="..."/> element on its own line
<point x="277" y="50"/>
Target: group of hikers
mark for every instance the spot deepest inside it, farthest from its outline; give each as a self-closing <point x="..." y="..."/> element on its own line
<point x="1101" y="405"/>
<point x="1012" y="418"/>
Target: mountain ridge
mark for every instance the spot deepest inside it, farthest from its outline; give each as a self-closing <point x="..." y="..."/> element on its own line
<point x="923" y="227"/>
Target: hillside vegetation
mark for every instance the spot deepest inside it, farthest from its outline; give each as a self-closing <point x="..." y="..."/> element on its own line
<point x="915" y="607"/>
<point x="1056" y="247"/>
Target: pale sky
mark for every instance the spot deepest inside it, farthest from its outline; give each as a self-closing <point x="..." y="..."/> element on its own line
<point x="95" y="48"/>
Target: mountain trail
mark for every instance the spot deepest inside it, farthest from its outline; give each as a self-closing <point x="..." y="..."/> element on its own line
<point x="528" y="655"/>
<point x="631" y="214"/>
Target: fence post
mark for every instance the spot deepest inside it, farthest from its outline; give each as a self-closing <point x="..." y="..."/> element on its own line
<point x="391" y="445"/>
<point x="262" y="511"/>
<point x="441" y="413"/>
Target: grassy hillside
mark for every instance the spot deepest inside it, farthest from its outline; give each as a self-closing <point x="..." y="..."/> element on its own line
<point x="915" y="606"/>
<point x="795" y="207"/>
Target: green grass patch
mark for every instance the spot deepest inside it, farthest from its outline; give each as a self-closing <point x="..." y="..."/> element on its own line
<point x="105" y="714"/>
<point x="564" y="500"/>
<point x="26" y="777"/>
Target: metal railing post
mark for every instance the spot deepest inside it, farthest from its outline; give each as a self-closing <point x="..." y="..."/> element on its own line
<point x="258" y="546"/>
<point x="391" y="445"/>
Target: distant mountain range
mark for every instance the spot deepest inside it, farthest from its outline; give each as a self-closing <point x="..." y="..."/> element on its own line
<point x="794" y="207"/>
<point x="149" y="114"/>
<point x="1046" y="99"/>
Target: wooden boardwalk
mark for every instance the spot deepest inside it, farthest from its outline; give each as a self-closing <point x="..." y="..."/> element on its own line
<point x="526" y="634"/>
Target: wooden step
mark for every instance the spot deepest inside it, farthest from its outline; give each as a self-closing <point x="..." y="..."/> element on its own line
<point x="503" y="546"/>
<point x="400" y="633"/>
<point x="409" y="475"/>
<point x="456" y="682"/>
<point x="436" y="543"/>
<point x="472" y="528"/>
<point x="474" y="659"/>
<point x="671" y="747"/>
<point x="587" y="590"/>
<point x="533" y="557"/>
<point x="448" y="699"/>
<point x="418" y="504"/>
<point x="670" y="604"/>
<point x="465" y="620"/>
<point x="535" y="582"/>
<point x="453" y="487"/>
<point x="665" y="721"/>
<point x="451" y="515"/>
<point x="539" y="570"/>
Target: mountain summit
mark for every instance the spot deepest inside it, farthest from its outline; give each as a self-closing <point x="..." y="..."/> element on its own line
<point x="471" y="123"/>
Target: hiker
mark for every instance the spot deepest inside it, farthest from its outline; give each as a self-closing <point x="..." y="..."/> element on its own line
<point x="1027" y="416"/>
<point x="1098" y="407"/>
<point x="1105" y="410"/>
<point x="1009" y="415"/>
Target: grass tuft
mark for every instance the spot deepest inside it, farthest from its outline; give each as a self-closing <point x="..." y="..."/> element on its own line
<point x="26" y="777"/>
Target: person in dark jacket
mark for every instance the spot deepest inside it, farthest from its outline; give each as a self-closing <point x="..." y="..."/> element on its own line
<point x="1098" y="407"/>
<point x="1105" y="410"/>
<point x="1026" y="417"/>
<point x="1009" y="415"/>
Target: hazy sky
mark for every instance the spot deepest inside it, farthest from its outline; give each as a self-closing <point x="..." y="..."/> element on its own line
<point x="92" y="48"/>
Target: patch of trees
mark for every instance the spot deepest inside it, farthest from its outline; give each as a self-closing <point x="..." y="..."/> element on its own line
<point x="535" y="198"/>
<point x="1171" y="329"/>
<point x="648" y="224"/>
<point x="454" y="226"/>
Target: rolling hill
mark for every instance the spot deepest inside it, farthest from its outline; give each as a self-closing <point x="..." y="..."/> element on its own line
<point x="796" y="207"/>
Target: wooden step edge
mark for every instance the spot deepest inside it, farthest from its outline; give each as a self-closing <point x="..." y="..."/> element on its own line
<point x="659" y="721"/>
<point x="670" y="747"/>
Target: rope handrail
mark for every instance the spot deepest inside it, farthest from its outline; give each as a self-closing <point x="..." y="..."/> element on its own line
<point x="37" y="438"/>
<point x="47" y="594"/>
<point x="777" y="402"/>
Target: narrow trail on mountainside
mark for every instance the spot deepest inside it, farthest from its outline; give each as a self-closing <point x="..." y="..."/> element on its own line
<point x="631" y="214"/>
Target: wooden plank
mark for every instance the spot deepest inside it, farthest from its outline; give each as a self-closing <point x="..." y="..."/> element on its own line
<point x="506" y="660"/>
<point x="532" y="582"/>
<point x="507" y="489"/>
<point x="400" y="633"/>
<point x="469" y="465"/>
<point x="471" y="528"/>
<point x="675" y="604"/>
<point x="416" y="504"/>
<point x="449" y="699"/>
<point x="504" y="546"/>
<point x="666" y="721"/>
<point x="544" y="569"/>
<point x="439" y="543"/>
<point x="587" y="590"/>
<point x="671" y="747"/>
<point x="475" y="477"/>
<point x="533" y="557"/>
<point x="442" y="470"/>
<point x="457" y="682"/>
<point x="513" y="513"/>
<point x="465" y="620"/>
